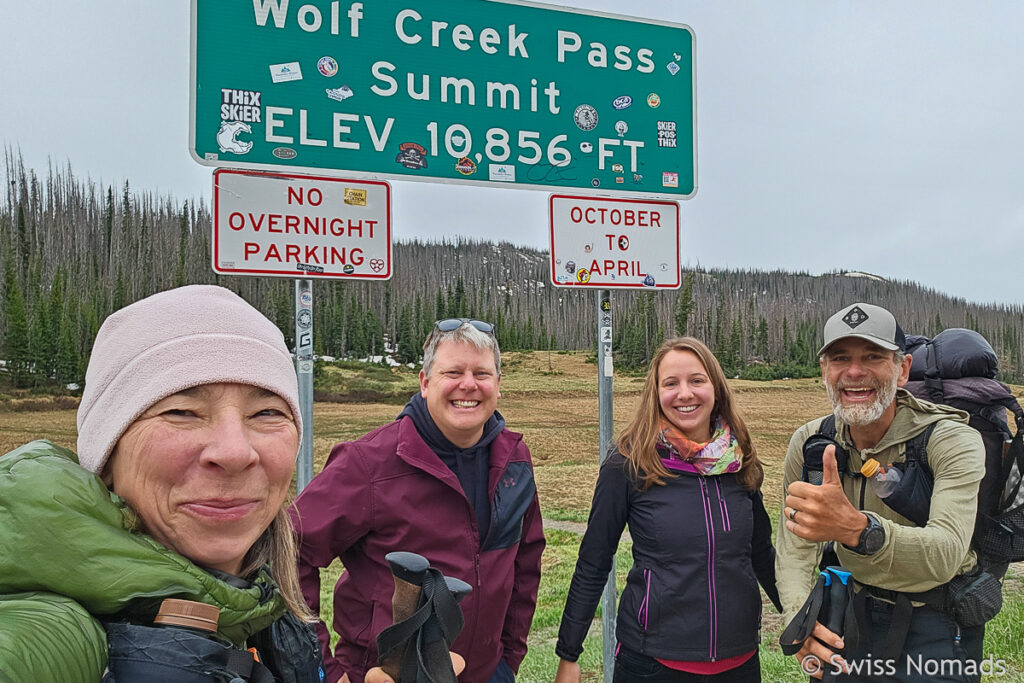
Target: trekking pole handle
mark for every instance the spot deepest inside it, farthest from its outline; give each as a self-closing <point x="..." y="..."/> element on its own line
<point x="836" y="579"/>
<point x="408" y="570"/>
<point x="459" y="589"/>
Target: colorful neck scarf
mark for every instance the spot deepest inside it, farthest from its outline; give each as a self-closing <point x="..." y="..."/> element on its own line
<point x="718" y="455"/>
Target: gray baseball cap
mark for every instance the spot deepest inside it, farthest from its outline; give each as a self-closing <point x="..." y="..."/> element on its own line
<point x="865" y="321"/>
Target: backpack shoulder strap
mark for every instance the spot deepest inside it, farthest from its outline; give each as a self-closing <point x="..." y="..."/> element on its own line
<point x="917" y="449"/>
<point x="1014" y="456"/>
<point x="828" y="427"/>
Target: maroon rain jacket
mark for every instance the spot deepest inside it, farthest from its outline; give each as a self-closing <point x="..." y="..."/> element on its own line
<point x="389" y="491"/>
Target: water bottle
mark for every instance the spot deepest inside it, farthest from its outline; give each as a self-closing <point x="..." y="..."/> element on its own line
<point x="883" y="480"/>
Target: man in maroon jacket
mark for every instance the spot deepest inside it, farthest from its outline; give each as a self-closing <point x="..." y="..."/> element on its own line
<point x="446" y="480"/>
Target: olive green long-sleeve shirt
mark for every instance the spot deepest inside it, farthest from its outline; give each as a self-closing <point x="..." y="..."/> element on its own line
<point x="913" y="558"/>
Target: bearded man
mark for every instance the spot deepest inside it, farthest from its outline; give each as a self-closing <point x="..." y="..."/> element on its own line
<point x="903" y="631"/>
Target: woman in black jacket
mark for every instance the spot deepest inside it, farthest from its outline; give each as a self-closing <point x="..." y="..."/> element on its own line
<point x="686" y="478"/>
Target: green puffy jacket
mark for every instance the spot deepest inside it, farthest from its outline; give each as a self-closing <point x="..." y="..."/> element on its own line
<point x="69" y="556"/>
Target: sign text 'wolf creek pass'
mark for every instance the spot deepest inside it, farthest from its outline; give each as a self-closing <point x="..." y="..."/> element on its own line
<point x="472" y="91"/>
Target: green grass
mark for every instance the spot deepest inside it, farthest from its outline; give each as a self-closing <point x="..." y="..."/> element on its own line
<point x="352" y="381"/>
<point x="569" y="515"/>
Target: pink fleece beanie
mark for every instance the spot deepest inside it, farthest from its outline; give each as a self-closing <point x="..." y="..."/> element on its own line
<point x="171" y="341"/>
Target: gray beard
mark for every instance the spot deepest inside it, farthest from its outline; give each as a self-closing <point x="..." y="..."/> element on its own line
<point x="862" y="415"/>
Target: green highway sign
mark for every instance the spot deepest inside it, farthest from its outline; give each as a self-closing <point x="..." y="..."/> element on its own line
<point x="490" y="92"/>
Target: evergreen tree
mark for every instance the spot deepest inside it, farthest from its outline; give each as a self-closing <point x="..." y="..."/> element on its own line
<point x="356" y="343"/>
<point x="56" y="308"/>
<point x="406" y="346"/>
<point x="387" y="305"/>
<point x="453" y="307"/>
<point x="16" y="330"/>
<point x="127" y="232"/>
<point x="68" y="360"/>
<point x="108" y="223"/>
<point x="374" y="331"/>
<point x="719" y="342"/>
<point x="440" y="306"/>
<point x="183" y="234"/>
<point x="787" y="341"/>
<point x="460" y="308"/>
<point x="630" y="345"/>
<point x="529" y="336"/>
<point x="120" y="299"/>
<point x="23" y="247"/>
<point x="283" y="309"/>
<point x="761" y="340"/>
<point x="731" y="358"/>
<point x="801" y="348"/>
<point x="684" y="306"/>
<point x="43" y="346"/>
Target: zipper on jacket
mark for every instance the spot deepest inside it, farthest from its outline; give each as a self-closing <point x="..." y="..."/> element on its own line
<point x="709" y="523"/>
<point x="476" y="613"/>
<point x="726" y="524"/>
<point x="641" y="615"/>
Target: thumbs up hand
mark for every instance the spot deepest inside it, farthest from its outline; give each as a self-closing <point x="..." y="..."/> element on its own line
<point x="823" y="512"/>
<point x="830" y="469"/>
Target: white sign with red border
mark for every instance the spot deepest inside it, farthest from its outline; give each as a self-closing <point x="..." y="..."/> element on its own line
<point x="614" y="243"/>
<point x="300" y="226"/>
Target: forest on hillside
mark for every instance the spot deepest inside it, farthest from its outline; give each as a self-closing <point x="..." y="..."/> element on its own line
<point x="71" y="252"/>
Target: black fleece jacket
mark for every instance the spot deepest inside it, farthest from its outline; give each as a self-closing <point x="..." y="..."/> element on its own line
<point x="700" y="547"/>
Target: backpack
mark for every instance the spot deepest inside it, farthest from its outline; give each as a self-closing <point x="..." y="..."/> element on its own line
<point x="288" y="648"/>
<point x="958" y="368"/>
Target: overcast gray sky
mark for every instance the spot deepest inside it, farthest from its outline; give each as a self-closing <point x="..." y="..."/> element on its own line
<point x="877" y="135"/>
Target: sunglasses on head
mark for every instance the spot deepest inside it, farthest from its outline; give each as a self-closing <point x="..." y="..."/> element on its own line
<point x="450" y="324"/>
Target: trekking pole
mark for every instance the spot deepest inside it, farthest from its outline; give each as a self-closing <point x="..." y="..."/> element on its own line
<point x="837" y="581"/>
<point x="408" y="570"/>
<point x="436" y="639"/>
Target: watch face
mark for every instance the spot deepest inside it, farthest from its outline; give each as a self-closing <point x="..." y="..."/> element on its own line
<point x="873" y="538"/>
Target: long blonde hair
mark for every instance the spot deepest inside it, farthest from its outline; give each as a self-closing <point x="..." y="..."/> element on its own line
<point x="638" y="440"/>
<point x="276" y="547"/>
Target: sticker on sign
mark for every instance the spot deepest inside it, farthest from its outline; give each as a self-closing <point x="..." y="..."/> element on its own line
<point x="620" y="243"/>
<point x="300" y="226"/>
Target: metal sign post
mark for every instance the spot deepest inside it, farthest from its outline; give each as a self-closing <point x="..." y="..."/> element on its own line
<point x="304" y="370"/>
<point x="605" y="425"/>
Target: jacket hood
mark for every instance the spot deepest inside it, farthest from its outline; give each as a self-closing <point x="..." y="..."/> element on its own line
<point x="64" y="532"/>
<point x="913" y="416"/>
<point x="428" y="430"/>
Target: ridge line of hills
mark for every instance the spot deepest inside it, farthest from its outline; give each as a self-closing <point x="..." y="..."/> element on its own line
<point x="71" y="252"/>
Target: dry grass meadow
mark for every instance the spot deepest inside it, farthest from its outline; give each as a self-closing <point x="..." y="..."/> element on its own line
<point x="552" y="400"/>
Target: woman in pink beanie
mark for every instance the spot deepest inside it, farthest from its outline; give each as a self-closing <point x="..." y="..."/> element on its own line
<point x="189" y="427"/>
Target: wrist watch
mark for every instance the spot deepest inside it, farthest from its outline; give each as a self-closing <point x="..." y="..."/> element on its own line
<point x="871" y="539"/>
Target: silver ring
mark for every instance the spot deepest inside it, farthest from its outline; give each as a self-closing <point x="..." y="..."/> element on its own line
<point x="792" y="515"/>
